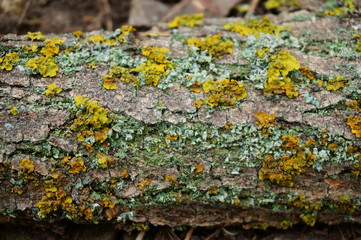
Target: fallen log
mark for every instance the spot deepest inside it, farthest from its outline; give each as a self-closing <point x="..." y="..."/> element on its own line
<point x="256" y="124"/>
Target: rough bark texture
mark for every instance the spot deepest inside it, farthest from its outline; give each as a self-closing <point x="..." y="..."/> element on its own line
<point x="165" y="162"/>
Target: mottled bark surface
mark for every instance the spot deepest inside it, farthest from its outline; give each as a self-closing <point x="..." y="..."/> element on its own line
<point x="167" y="162"/>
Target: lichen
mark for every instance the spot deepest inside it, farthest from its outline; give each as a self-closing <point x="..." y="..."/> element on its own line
<point x="225" y="92"/>
<point x="189" y="20"/>
<point x="52" y="90"/>
<point x="213" y="45"/>
<point x="156" y="65"/>
<point x="355" y="124"/>
<point x="255" y="27"/>
<point x="8" y="61"/>
<point x="274" y="4"/>
<point x="279" y="81"/>
<point x="283" y="171"/>
<point x="117" y="73"/>
<point x="265" y="121"/>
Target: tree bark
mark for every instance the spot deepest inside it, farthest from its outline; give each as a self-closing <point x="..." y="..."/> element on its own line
<point x="158" y="159"/>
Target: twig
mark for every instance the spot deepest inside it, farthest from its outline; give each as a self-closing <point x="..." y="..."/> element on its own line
<point x="174" y="10"/>
<point x="189" y="234"/>
<point x="252" y="8"/>
<point x="140" y="235"/>
<point x="213" y="234"/>
<point x="23" y="13"/>
<point x="107" y="15"/>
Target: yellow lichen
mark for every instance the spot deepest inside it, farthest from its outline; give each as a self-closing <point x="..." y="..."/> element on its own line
<point x="117" y="73"/>
<point x="300" y="202"/>
<point x="309" y="219"/>
<point x="91" y="121"/>
<point x="283" y="171"/>
<point x="52" y="90"/>
<point x="213" y="44"/>
<point x="355" y="124"/>
<point x="273" y="4"/>
<point x="46" y="66"/>
<point x="265" y="121"/>
<point x="76" y="165"/>
<point x="225" y="92"/>
<point x="26" y="166"/>
<point x="144" y="183"/>
<point x="348" y="6"/>
<point x="78" y="34"/>
<point x="7" y="62"/>
<point x="155" y="67"/>
<point x="35" y="36"/>
<point x="189" y="20"/>
<point x="279" y="82"/>
<point x="105" y="160"/>
<point x="13" y="110"/>
<point x="255" y="27"/>
<point x="335" y="84"/>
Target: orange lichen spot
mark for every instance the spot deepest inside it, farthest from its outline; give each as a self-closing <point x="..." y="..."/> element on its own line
<point x="305" y="71"/>
<point x="355" y="124"/>
<point x="198" y="103"/>
<point x="213" y="191"/>
<point x="224" y="92"/>
<point x="54" y="198"/>
<point x="345" y="204"/>
<point x="333" y="146"/>
<point x="7" y="62"/>
<point x="196" y="87"/>
<point x="105" y="160"/>
<point x="255" y="27"/>
<point x="265" y="121"/>
<point x="52" y="90"/>
<point x="124" y="173"/>
<point x="171" y="137"/>
<point x="78" y="34"/>
<point x="285" y="224"/>
<point x="155" y="67"/>
<point x="144" y="183"/>
<point x="188" y="20"/>
<point x="290" y="142"/>
<point x="214" y="45"/>
<point x="198" y="168"/>
<point x="117" y="73"/>
<point x="171" y="179"/>
<point x="26" y="166"/>
<point x="353" y="104"/>
<point x="35" y="36"/>
<point x="13" y="110"/>
<point x="300" y="202"/>
<point x="46" y="66"/>
<point x="227" y="126"/>
<point x="76" y="165"/>
<point x="283" y="171"/>
<point x="279" y="82"/>
<point x="309" y="219"/>
<point x="107" y="202"/>
<point x="335" y="84"/>
<point x="92" y="120"/>
<point x="357" y="166"/>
